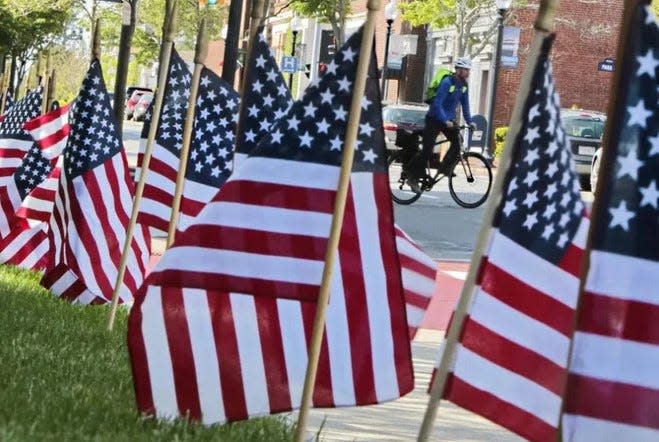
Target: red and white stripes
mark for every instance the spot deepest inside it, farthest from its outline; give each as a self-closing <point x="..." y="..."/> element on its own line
<point x="88" y="229"/>
<point x="418" y="271"/>
<point x="510" y="363"/>
<point x="613" y="387"/>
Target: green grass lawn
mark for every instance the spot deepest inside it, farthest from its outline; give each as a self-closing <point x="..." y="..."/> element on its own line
<point x="64" y="377"/>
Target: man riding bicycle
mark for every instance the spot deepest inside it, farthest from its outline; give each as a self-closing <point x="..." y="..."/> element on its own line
<point x="452" y="90"/>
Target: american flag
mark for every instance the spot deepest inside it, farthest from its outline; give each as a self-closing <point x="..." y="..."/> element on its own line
<point x="26" y="246"/>
<point x="419" y="272"/>
<point x="510" y="362"/>
<point x="14" y="140"/>
<point x="24" y="216"/>
<point x="92" y="205"/>
<point x="227" y="356"/>
<point x="266" y="230"/>
<point x="50" y="132"/>
<point x="264" y="102"/>
<point x="613" y="387"/>
<point x="211" y="149"/>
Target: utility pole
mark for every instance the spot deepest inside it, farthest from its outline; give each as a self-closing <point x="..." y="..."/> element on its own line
<point x="231" y="42"/>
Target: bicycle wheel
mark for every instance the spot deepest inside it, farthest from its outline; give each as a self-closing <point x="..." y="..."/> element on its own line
<point x="400" y="190"/>
<point x="471" y="180"/>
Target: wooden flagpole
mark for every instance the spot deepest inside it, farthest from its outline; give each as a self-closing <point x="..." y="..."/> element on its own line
<point x="165" y="27"/>
<point x="46" y="84"/>
<point x="155" y="120"/>
<point x="617" y="97"/>
<point x="365" y="51"/>
<point x="543" y="26"/>
<point x="201" y="50"/>
<point x="96" y="41"/>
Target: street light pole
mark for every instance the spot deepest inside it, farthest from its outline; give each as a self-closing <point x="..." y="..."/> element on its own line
<point x="390" y="14"/>
<point x="502" y="8"/>
<point x="295" y="28"/>
<point x="231" y="42"/>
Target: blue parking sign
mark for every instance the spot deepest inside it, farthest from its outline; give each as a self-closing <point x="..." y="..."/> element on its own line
<point x="288" y="64"/>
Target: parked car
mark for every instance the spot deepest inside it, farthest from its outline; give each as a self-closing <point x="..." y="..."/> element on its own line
<point x="133" y="95"/>
<point x="139" y="111"/>
<point x="402" y="116"/>
<point x="595" y="169"/>
<point x="584" y="130"/>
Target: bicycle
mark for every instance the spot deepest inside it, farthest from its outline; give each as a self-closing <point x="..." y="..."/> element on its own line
<point x="469" y="180"/>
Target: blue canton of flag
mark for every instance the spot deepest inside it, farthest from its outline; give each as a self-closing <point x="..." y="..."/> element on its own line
<point x="211" y="151"/>
<point x="94" y="138"/>
<point x="313" y="130"/>
<point x="14" y="140"/>
<point x="24" y="110"/>
<point x="9" y="100"/>
<point x="543" y="206"/>
<point x="632" y="195"/>
<point x="266" y="98"/>
<point x="33" y="170"/>
<point x="616" y="343"/>
<point x="175" y="102"/>
<point x="216" y="114"/>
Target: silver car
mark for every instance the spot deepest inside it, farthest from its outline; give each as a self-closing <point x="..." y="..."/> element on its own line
<point x="410" y="117"/>
<point x="584" y="131"/>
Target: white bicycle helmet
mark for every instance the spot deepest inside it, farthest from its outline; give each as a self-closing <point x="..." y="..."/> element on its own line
<point x="463" y="62"/>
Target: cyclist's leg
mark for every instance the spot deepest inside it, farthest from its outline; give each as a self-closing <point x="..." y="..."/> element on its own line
<point x="453" y="135"/>
<point x="416" y="167"/>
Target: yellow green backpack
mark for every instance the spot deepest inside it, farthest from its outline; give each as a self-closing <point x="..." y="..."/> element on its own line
<point x="434" y="84"/>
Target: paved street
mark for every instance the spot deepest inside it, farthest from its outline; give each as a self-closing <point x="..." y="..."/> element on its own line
<point x="131" y="137"/>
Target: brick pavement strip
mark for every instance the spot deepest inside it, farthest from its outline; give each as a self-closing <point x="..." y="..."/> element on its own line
<point x="400" y="420"/>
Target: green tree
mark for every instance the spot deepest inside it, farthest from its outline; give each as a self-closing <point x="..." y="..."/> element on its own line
<point x="28" y="27"/>
<point x="464" y="15"/>
<point x="148" y="31"/>
<point x="70" y="66"/>
<point x="333" y="12"/>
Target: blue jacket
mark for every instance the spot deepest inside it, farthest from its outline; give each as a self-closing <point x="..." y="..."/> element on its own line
<point x="444" y="105"/>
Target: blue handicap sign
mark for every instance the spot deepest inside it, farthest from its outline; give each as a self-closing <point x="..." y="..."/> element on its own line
<point x="288" y="64"/>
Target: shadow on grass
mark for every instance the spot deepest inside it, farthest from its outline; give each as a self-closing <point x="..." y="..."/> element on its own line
<point x="63" y="376"/>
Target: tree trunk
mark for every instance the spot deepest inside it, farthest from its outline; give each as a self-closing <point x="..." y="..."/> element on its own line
<point x="125" y="40"/>
<point x="412" y="86"/>
<point x="12" y="77"/>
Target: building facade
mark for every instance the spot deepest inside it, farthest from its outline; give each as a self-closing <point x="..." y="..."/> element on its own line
<point x="586" y="38"/>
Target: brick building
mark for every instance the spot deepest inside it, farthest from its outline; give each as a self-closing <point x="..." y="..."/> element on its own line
<point x="586" y="34"/>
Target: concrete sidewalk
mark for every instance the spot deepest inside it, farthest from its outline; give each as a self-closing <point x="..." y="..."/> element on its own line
<point x="400" y="420"/>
